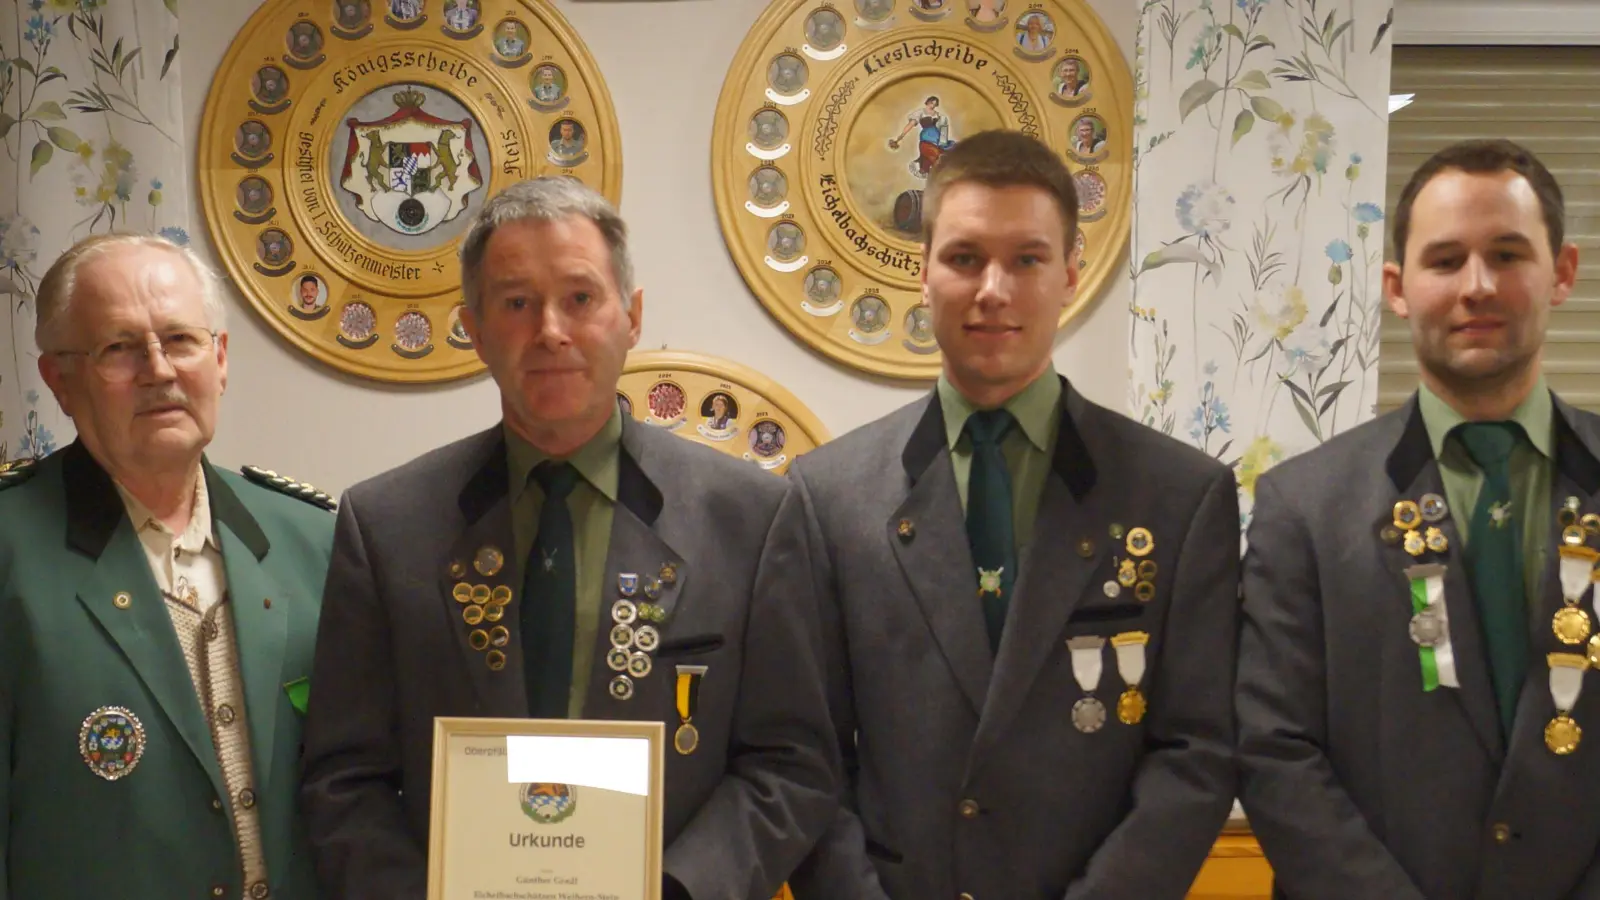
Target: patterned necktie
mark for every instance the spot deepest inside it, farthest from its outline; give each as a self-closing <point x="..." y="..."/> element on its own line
<point x="989" y="529"/>
<point x="1494" y="562"/>
<point x="549" y="594"/>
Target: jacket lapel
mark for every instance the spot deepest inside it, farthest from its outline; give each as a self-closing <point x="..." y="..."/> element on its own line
<point x="1576" y="473"/>
<point x="260" y="631"/>
<point x="121" y="593"/>
<point x="929" y="537"/>
<point x="1414" y="472"/>
<point x="636" y="548"/>
<point x="482" y="557"/>
<point x="1059" y="569"/>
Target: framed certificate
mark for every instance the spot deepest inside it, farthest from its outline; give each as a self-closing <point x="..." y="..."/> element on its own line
<point x="527" y="809"/>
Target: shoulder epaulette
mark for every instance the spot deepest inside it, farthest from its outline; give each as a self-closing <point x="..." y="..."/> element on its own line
<point x="17" y="471"/>
<point x="296" y="489"/>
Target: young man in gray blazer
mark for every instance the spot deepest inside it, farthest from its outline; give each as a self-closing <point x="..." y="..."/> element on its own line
<point x="568" y="562"/>
<point x="1028" y="601"/>
<point x="1418" y="600"/>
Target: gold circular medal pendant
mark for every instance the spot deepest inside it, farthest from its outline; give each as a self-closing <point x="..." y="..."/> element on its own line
<point x="723" y="405"/>
<point x="1571" y="625"/>
<point x="346" y="147"/>
<point x="686" y="739"/>
<point x="1562" y="735"/>
<point x="1131" y="707"/>
<point x="832" y="117"/>
<point x="1594" y="651"/>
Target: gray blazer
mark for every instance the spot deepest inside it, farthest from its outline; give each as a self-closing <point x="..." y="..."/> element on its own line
<point x="741" y="811"/>
<point x="1357" y="782"/>
<point x="965" y="775"/>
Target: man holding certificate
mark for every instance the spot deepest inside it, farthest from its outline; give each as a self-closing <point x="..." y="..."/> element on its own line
<point x="566" y="563"/>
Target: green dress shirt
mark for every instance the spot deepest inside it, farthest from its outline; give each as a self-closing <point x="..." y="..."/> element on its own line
<point x="1531" y="461"/>
<point x="1028" y="449"/>
<point x="592" y="503"/>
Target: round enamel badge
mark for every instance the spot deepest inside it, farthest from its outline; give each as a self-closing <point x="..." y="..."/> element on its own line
<point x="111" y="742"/>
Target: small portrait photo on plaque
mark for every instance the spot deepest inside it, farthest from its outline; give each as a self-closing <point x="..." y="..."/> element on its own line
<point x="567" y="142"/>
<point x="252" y="139"/>
<point x="1036" y="31"/>
<point x="461" y="15"/>
<point x="1088" y="139"/>
<point x="305" y="41"/>
<point x="549" y="85"/>
<point x="824" y="30"/>
<point x="768" y="129"/>
<point x="768" y="186"/>
<point x="310" y="295"/>
<point x="1071" y="81"/>
<point x="511" y="39"/>
<point x="721" y="413"/>
<point x="254" y="195"/>
<point x="405" y="10"/>
<point x="785" y="241"/>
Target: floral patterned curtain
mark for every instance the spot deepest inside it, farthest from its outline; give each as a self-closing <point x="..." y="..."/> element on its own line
<point x="91" y="118"/>
<point x="1261" y="133"/>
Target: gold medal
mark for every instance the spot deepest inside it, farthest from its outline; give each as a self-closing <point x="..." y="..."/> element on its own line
<point x="1571" y="625"/>
<point x="1562" y="735"/>
<point x="1573" y="535"/>
<point x="1415" y="544"/>
<point x="1407" y="515"/>
<point x="1594" y="651"/>
<point x="1131" y="706"/>
<point x="1436" y="540"/>
<point x="1127" y="575"/>
<point x="686" y="739"/>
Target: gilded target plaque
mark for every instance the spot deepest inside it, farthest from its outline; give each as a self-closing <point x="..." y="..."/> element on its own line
<point x="832" y="116"/>
<point x="720" y="403"/>
<point x="347" y="144"/>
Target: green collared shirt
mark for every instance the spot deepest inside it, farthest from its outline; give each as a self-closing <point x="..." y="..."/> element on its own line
<point x="1028" y="449"/>
<point x="592" y="503"/>
<point x="1531" y="461"/>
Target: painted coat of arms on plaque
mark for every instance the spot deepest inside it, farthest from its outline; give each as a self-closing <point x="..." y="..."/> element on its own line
<point x="346" y="145"/>
<point x="834" y="114"/>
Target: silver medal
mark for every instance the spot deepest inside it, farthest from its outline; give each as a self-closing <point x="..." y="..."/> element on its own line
<point x="1088" y="715"/>
<point x="1427" y="629"/>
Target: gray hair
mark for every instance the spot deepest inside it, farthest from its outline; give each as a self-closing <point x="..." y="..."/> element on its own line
<point x="548" y="198"/>
<point x="56" y="287"/>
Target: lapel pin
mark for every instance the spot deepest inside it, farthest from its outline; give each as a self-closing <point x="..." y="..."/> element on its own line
<point x="488" y="561"/>
<point x="1415" y="544"/>
<point x="621" y="687"/>
<point x="1433" y="508"/>
<point x="1436" y="540"/>
<point x="122" y="600"/>
<point x="458" y="570"/>
<point x="1591" y="524"/>
<point x="462" y="592"/>
<point x="1086" y="548"/>
<point x="111" y="742"/>
<point x="1117" y="532"/>
<point x="1389" y="534"/>
<point x="1407" y="515"/>
<point x="1147" y="569"/>
<point x="495" y="660"/>
<point x="1127" y="574"/>
<point x="669" y="573"/>
<point x="652" y="590"/>
<point x="628" y="584"/>
<point x="906" y="530"/>
<point x="478" y="639"/>
<point x="1141" y="542"/>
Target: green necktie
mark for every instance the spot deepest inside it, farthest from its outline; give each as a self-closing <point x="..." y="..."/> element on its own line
<point x="994" y="549"/>
<point x="549" y="595"/>
<point x="1494" y="562"/>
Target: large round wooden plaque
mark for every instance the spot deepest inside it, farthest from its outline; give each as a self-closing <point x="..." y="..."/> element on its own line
<point x="719" y="403"/>
<point x="832" y="116"/>
<point x="347" y="144"/>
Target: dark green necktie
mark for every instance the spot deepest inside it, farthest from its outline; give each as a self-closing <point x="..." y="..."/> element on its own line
<point x="994" y="550"/>
<point x="549" y="593"/>
<point x="1494" y="562"/>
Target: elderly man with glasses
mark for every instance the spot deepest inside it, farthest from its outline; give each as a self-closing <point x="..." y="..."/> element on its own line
<point x="157" y="614"/>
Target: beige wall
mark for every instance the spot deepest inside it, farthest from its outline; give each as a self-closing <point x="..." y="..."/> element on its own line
<point x="664" y="64"/>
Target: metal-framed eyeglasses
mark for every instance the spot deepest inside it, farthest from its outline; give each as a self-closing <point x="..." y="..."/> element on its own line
<point x="123" y="359"/>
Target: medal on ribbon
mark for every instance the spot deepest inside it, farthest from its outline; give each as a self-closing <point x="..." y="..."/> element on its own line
<point x="1130" y="647"/>
<point x="1088" y="714"/>
<point x="1562" y="734"/>
<point x="687" y="737"/>
<point x="1571" y="623"/>
<point x="1430" y="627"/>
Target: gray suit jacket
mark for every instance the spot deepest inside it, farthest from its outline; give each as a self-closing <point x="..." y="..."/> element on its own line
<point x="741" y="811"/>
<point x="1357" y="782"/>
<point x="928" y="719"/>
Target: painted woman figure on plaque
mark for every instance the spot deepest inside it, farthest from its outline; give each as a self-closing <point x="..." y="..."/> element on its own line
<point x="721" y="412"/>
<point x="933" y="136"/>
